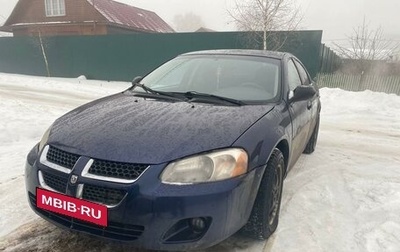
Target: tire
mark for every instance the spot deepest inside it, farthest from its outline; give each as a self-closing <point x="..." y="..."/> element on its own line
<point x="310" y="147"/>
<point x="264" y="217"/>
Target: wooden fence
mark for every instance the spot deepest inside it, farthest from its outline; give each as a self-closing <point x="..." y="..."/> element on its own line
<point x="386" y="84"/>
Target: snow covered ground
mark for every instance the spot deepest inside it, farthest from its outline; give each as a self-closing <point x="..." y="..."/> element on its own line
<point x="5" y="34"/>
<point x="344" y="197"/>
<point x="28" y="106"/>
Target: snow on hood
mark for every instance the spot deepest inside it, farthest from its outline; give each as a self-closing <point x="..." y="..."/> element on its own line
<point x="129" y="129"/>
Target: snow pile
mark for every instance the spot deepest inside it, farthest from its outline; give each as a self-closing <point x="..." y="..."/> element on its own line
<point x="28" y="106"/>
<point x="5" y="34"/>
<point x="344" y="197"/>
<point x="360" y="107"/>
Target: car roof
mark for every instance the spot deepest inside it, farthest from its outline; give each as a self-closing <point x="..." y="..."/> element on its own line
<point x="259" y="53"/>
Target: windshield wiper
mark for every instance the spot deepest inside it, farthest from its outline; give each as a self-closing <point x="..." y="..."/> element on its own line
<point x="194" y="94"/>
<point x="156" y="92"/>
<point x="147" y="89"/>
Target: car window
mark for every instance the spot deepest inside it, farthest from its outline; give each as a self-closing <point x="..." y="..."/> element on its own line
<point x="293" y="76"/>
<point x="171" y="75"/>
<point x="244" y="78"/>
<point x="303" y="73"/>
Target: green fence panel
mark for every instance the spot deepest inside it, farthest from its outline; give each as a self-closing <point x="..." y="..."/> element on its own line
<point x="121" y="57"/>
<point x="329" y="60"/>
<point x="376" y="83"/>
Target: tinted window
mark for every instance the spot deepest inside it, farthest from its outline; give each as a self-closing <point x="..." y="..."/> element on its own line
<point x="303" y="73"/>
<point x="293" y="76"/>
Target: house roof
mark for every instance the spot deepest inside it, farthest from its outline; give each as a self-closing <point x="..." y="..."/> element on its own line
<point x="114" y="13"/>
<point x="130" y="16"/>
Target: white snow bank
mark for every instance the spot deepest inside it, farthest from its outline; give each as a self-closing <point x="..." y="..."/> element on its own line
<point x="5" y="34"/>
<point x="28" y="106"/>
<point x="344" y="197"/>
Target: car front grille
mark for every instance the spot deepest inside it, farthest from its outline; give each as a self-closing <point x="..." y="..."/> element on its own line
<point x="116" y="231"/>
<point x="55" y="182"/>
<point x="103" y="169"/>
<point x="117" y="170"/>
<point x="103" y="195"/>
<point x="62" y="158"/>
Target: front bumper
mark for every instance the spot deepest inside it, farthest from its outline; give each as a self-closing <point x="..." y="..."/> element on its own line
<point x="157" y="216"/>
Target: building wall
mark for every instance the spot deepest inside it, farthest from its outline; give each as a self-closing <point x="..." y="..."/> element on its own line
<point x="64" y="30"/>
<point x="72" y="29"/>
<point x="33" y="11"/>
<point x="85" y="19"/>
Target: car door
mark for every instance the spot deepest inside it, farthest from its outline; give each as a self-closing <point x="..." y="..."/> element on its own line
<point x="300" y="113"/>
<point x="312" y="103"/>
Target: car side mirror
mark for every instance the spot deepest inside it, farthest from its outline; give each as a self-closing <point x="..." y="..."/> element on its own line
<point x="302" y="93"/>
<point x="136" y="80"/>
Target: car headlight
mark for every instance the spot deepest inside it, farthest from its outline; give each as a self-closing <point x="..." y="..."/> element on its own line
<point x="45" y="137"/>
<point x="214" y="166"/>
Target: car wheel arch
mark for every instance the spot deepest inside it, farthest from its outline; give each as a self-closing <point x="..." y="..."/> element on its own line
<point x="283" y="146"/>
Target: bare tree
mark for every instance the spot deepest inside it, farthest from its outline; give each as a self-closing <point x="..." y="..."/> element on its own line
<point x="188" y="22"/>
<point x="260" y="17"/>
<point x="367" y="44"/>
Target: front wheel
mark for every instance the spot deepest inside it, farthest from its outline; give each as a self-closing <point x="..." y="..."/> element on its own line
<point x="264" y="217"/>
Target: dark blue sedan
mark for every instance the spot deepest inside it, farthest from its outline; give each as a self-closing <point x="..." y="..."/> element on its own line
<point x="192" y="153"/>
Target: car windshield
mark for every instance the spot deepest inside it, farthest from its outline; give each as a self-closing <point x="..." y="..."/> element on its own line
<point x="243" y="78"/>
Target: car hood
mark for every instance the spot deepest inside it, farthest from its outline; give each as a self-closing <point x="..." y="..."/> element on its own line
<point x="126" y="128"/>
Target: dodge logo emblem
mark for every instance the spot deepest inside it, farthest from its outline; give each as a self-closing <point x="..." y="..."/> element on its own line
<point x="74" y="178"/>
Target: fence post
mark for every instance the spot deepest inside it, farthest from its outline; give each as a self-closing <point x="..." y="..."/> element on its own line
<point x="361" y="82"/>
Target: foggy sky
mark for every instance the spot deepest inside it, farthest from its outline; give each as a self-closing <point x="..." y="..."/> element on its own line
<point x="336" y="18"/>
